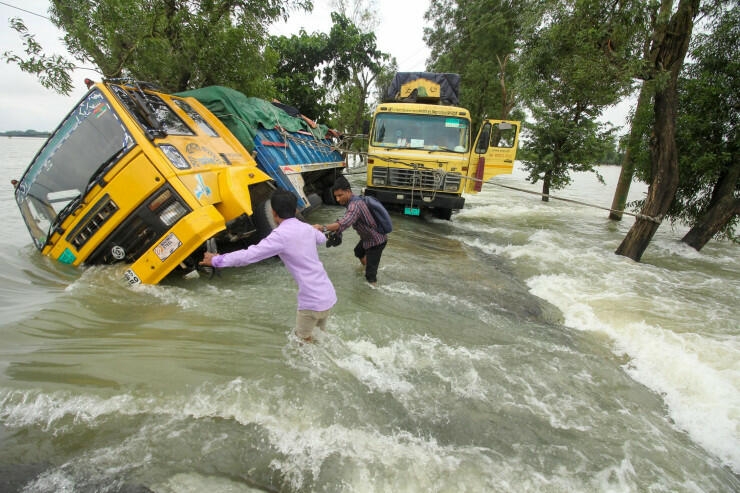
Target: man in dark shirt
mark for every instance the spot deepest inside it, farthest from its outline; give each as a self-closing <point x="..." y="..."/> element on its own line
<point x="372" y="242"/>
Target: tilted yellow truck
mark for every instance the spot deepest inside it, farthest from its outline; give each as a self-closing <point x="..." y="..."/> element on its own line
<point x="137" y="177"/>
<point x="421" y="155"/>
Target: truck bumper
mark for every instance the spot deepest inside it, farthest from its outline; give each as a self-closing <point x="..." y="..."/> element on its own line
<point x="183" y="239"/>
<point x="431" y="200"/>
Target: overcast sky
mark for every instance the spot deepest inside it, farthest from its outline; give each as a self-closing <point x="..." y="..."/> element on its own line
<point x="25" y="104"/>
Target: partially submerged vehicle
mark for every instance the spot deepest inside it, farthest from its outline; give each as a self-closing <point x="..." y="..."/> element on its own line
<point x="133" y="175"/>
<point x="299" y="154"/>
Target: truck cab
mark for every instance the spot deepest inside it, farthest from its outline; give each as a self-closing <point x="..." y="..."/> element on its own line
<point x="421" y="151"/>
<point x="138" y="177"/>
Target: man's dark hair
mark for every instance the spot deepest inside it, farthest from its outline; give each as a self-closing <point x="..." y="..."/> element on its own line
<point x="341" y="184"/>
<point x="283" y="203"/>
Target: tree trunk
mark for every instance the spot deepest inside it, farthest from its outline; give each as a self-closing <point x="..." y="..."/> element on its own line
<point x="722" y="208"/>
<point x="667" y="55"/>
<point x="546" y="186"/>
<point x="712" y="222"/>
<point x="623" y="186"/>
<point x="619" y="202"/>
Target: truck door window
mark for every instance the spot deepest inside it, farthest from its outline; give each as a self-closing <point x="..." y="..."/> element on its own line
<point x="199" y="120"/>
<point x="485" y="136"/>
<point x="156" y="117"/>
<point x="504" y="135"/>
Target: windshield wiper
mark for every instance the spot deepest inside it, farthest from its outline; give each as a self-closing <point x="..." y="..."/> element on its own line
<point x="66" y="211"/>
<point x="97" y="176"/>
<point x="156" y="128"/>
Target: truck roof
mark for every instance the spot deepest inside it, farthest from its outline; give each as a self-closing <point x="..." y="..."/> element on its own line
<point x="424" y="87"/>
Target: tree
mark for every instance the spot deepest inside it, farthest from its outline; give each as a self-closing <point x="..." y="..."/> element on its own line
<point x="52" y="70"/>
<point x="477" y="40"/>
<point x="708" y="195"/>
<point x="355" y="65"/>
<point x="667" y="53"/>
<point x="632" y="147"/>
<point x="177" y="44"/>
<point x="574" y="65"/>
<point x="297" y="76"/>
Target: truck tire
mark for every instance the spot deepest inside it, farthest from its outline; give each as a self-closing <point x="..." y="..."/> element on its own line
<point x="442" y="213"/>
<point x="263" y="220"/>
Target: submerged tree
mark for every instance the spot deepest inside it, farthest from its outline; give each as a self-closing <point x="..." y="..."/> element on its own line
<point x="668" y="50"/>
<point x="708" y="195"/>
<point x="574" y="65"/>
<point x="709" y="142"/>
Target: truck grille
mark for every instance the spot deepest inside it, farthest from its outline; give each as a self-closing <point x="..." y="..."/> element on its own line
<point x="424" y="179"/>
<point x="145" y="226"/>
<point x="92" y="222"/>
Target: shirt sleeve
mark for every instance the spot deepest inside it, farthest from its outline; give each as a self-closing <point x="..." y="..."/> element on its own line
<point x="270" y="246"/>
<point x="349" y="217"/>
<point x="320" y="237"/>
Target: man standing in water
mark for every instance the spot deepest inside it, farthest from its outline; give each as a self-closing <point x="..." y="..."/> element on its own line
<point x="295" y="243"/>
<point x="372" y="242"/>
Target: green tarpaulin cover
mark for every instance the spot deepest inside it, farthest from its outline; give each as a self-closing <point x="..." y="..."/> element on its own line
<point x="243" y="115"/>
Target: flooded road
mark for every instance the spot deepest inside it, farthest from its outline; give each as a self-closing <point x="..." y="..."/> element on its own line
<point x="506" y="350"/>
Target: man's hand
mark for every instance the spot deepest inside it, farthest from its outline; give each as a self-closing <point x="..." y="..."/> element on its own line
<point x="207" y="259"/>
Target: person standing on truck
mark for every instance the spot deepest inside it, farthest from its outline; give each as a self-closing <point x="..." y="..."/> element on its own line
<point x="372" y="242"/>
<point x="295" y="243"/>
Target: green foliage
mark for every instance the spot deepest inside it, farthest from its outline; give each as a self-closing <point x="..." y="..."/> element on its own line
<point x="179" y="44"/>
<point x="354" y="67"/>
<point x="709" y="117"/>
<point x="330" y="76"/>
<point x="478" y="39"/>
<point x="297" y="77"/>
<point x="52" y="71"/>
<point x="572" y="67"/>
<point x="563" y="143"/>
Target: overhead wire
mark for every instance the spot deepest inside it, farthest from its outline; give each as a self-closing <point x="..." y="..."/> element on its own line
<point x="442" y="173"/>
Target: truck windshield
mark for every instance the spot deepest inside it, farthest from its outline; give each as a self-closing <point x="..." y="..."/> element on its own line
<point x="87" y="143"/>
<point x="430" y="132"/>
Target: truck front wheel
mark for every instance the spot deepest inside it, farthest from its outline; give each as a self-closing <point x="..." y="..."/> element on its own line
<point x="442" y="213"/>
<point x="263" y="220"/>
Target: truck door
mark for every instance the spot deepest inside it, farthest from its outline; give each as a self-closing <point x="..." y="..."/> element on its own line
<point x="494" y="152"/>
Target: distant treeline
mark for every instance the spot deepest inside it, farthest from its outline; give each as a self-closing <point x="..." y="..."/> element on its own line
<point x="24" y="133"/>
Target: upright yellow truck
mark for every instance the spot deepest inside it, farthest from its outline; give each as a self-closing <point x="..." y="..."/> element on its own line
<point x="420" y="152"/>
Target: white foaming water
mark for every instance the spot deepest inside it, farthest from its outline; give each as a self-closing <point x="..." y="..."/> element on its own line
<point x="677" y="326"/>
<point x="370" y="458"/>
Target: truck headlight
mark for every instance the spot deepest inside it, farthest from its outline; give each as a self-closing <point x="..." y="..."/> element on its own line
<point x="177" y="159"/>
<point x="167" y="206"/>
<point x="172" y="213"/>
<point x="379" y="176"/>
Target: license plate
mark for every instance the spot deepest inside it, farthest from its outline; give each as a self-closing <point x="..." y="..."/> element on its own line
<point x="167" y="246"/>
<point x="412" y="211"/>
<point x="131" y="277"/>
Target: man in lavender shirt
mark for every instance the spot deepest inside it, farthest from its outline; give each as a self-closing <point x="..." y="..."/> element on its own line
<point x="295" y="243"/>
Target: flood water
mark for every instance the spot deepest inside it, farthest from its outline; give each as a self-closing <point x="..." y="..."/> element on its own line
<point x="508" y="350"/>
